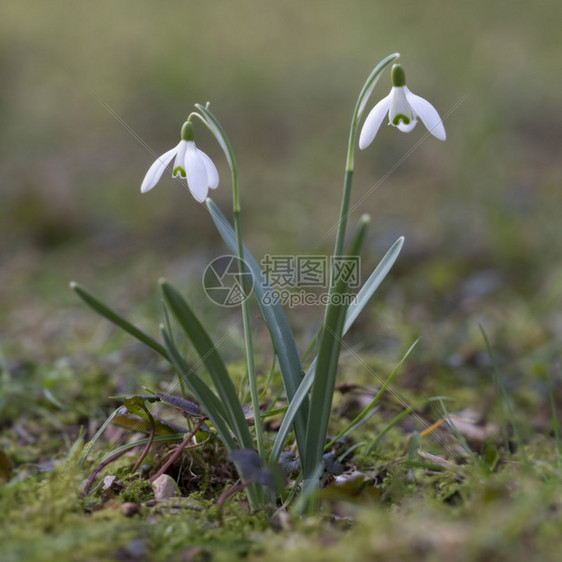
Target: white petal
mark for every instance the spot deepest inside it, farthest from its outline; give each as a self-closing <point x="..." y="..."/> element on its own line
<point x="196" y="171"/>
<point x="373" y="122"/>
<point x="212" y="172"/>
<point x="157" y="169"/>
<point x="428" y="114"/>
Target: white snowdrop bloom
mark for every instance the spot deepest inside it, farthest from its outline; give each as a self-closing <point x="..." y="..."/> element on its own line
<point x="191" y="163"/>
<point x="404" y="109"/>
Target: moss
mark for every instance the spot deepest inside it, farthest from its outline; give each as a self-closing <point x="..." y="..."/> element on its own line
<point x="136" y="491"/>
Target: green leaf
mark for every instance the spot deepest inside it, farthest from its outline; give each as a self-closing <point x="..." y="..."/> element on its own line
<point x="99" y="432"/>
<point x="326" y="366"/>
<point x="300" y="396"/>
<point x="135" y="422"/>
<point x="211" y="359"/>
<point x="208" y="400"/>
<point x="406" y="412"/>
<point x="362" y="416"/>
<point x="372" y="284"/>
<point x="275" y="318"/>
<point x="135" y="405"/>
<point x="366" y="292"/>
<point x="118" y="320"/>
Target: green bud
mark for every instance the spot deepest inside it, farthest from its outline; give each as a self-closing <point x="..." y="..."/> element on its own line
<point x="398" y="76"/>
<point x="187" y="132"/>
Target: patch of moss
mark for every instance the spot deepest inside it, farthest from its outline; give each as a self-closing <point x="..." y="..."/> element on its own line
<point x="136" y="491"/>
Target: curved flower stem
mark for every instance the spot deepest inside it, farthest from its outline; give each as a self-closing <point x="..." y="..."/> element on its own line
<point x="348" y="177"/>
<point x="215" y="127"/>
<point x="322" y="390"/>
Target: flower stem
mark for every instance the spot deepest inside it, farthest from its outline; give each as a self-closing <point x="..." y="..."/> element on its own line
<point x="250" y="366"/>
<point x="348" y="177"/>
<point x="216" y="129"/>
<point x="334" y="314"/>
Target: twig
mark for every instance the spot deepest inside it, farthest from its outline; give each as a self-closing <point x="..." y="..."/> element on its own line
<point x="177" y="452"/>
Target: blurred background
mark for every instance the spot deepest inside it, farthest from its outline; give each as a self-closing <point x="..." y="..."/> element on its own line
<point x="480" y="212"/>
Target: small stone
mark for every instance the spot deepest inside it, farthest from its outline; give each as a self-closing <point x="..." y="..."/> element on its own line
<point x="129" y="509"/>
<point x="165" y="487"/>
<point x="281" y="520"/>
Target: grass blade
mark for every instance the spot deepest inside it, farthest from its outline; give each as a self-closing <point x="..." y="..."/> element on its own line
<point x="360" y="417"/>
<point x="507" y="402"/>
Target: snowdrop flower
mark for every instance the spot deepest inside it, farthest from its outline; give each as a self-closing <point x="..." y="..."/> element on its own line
<point x="403" y="110"/>
<point x="190" y="163"/>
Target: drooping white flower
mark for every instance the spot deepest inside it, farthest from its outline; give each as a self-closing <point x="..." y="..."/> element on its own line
<point x="403" y="110"/>
<point x="191" y="163"/>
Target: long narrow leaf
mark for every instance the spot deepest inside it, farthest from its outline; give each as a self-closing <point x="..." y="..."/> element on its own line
<point x="98" y="434"/>
<point x="300" y="396"/>
<point x="372" y="284"/>
<point x="118" y="320"/>
<point x="361" y="417"/>
<point x="326" y="366"/>
<point x="366" y="292"/>
<point x="204" y="395"/>
<point x="212" y="360"/>
<point x="274" y="316"/>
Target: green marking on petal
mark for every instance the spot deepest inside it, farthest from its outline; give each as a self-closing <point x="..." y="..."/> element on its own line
<point x="180" y="170"/>
<point x="400" y="117"/>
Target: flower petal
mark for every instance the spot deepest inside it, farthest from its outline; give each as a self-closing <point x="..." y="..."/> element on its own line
<point x="212" y="172"/>
<point x="196" y="171"/>
<point x="428" y="114"/>
<point x="373" y="122"/>
<point x="157" y="169"/>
